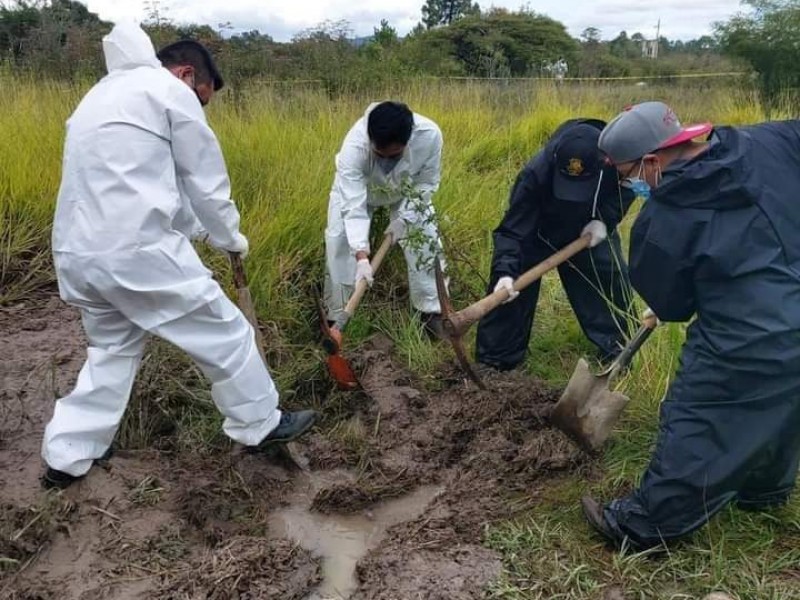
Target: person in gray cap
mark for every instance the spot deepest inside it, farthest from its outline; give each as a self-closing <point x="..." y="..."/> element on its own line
<point x="717" y="240"/>
<point x="558" y="193"/>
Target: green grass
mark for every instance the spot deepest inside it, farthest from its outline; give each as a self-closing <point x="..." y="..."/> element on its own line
<point x="280" y="144"/>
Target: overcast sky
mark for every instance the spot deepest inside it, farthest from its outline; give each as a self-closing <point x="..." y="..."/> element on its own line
<point x="680" y="19"/>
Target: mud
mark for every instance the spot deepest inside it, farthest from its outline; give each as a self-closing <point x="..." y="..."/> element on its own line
<point x="399" y="492"/>
<point x="342" y="540"/>
<point x="490" y="452"/>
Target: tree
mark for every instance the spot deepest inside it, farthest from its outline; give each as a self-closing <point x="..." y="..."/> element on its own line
<point x="767" y="39"/>
<point x="625" y="47"/>
<point x="447" y="12"/>
<point x="59" y="37"/>
<point x="591" y="35"/>
<point x="157" y="12"/>
<point x="386" y="35"/>
<point x="16" y="24"/>
<point x="500" y="43"/>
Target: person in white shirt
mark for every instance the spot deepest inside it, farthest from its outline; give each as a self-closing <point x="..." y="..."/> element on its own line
<point x="391" y="157"/>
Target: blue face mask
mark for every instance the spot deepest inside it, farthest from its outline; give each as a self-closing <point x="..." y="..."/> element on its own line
<point x="639" y="187"/>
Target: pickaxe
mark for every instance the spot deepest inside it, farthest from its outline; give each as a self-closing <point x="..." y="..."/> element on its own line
<point x="456" y="324"/>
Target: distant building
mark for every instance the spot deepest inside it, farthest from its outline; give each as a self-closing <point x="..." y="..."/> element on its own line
<point x="650" y="49"/>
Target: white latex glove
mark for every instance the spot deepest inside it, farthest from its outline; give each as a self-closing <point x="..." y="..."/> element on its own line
<point x="598" y="231"/>
<point x="507" y="283"/>
<point x="397" y="227"/>
<point x="649" y="314"/>
<point x="364" y="271"/>
<point x="240" y="246"/>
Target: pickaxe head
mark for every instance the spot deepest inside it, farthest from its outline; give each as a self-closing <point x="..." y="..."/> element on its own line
<point x="452" y="332"/>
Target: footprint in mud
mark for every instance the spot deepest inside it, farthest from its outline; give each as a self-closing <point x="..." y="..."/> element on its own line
<point x="342" y="540"/>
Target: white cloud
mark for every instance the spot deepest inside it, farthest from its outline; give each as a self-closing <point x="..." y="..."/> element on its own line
<point x="680" y="19"/>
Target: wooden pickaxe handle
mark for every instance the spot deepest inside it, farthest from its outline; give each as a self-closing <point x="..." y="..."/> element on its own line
<point x="246" y="299"/>
<point x="463" y="319"/>
<point x="362" y="285"/>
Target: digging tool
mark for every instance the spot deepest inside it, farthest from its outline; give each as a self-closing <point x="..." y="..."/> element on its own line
<point x="338" y="367"/>
<point x="456" y="324"/>
<point x="245" y="301"/>
<point x="588" y="409"/>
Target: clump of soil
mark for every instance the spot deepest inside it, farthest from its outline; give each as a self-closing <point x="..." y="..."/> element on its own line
<point x="24" y="530"/>
<point x="246" y="567"/>
<point x="372" y="487"/>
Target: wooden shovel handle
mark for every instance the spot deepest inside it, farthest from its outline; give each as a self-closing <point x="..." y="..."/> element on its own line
<point x="361" y="286"/>
<point x="245" y="300"/>
<point x="475" y="312"/>
<point x="237" y="266"/>
<point x="547" y="265"/>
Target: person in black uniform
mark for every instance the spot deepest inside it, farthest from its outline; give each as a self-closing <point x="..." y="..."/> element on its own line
<point x="564" y="187"/>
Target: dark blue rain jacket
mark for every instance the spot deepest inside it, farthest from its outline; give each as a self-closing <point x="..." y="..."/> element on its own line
<point x="720" y="241"/>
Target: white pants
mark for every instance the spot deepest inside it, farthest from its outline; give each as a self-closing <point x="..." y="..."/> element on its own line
<point x="212" y="331"/>
<point x="340" y="267"/>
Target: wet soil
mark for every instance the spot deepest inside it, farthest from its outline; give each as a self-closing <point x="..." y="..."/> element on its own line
<point x="394" y="502"/>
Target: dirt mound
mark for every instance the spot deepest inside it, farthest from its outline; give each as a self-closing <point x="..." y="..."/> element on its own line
<point x="246" y="567"/>
<point x="487" y="448"/>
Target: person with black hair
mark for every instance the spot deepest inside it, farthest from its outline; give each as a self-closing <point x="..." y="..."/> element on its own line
<point x="143" y="174"/>
<point x="391" y="157"/>
<point x="190" y="61"/>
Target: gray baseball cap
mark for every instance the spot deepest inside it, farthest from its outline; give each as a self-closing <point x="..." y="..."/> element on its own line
<point x="644" y="128"/>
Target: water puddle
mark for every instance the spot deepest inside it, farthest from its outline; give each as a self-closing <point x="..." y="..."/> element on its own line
<point x="342" y="540"/>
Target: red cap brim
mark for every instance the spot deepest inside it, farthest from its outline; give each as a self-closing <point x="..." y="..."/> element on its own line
<point x="687" y="134"/>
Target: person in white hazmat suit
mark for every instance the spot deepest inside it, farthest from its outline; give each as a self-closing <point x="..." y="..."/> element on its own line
<point x="391" y="157"/>
<point x="142" y="174"/>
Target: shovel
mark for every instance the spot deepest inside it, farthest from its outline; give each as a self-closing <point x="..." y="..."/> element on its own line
<point x="338" y="367"/>
<point x="588" y="409"/>
<point x="456" y="324"/>
<point x="245" y="302"/>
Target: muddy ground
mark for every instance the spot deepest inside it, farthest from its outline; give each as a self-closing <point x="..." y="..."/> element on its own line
<point x="403" y="487"/>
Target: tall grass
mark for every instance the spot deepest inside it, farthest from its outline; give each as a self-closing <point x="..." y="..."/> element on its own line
<point x="280" y="144"/>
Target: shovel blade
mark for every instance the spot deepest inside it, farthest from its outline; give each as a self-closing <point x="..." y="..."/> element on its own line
<point x="342" y="373"/>
<point x="587" y="410"/>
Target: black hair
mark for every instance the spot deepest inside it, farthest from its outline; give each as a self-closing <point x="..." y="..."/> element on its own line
<point x="390" y="123"/>
<point x="194" y="54"/>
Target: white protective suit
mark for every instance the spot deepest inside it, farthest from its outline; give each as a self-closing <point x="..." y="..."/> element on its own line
<point x="359" y="187"/>
<point x="142" y="172"/>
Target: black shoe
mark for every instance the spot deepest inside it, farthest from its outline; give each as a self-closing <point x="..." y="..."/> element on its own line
<point x="291" y="427"/>
<point x="433" y="325"/>
<point x="58" y="480"/>
<point x="593" y="511"/>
